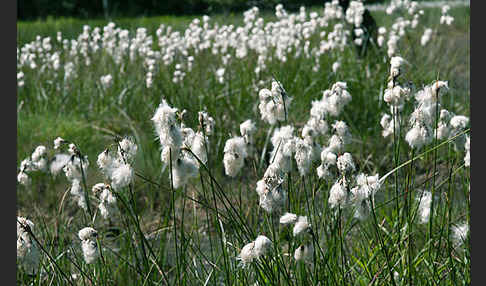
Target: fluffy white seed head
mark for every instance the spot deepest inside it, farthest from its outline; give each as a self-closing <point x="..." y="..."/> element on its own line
<point x="288" y="218"/>
<point x="338" y="194"/>
<point x="247" y="253"/>
<point x="302" y="225"/>
<point x="345" y="163"/>
<point x="304" y="252"/>
<point x="28" y="253"/>
<point x="127" y="149"/>
<point x="235" y="152"/>
<point x="87" y="233"/>
<point x="121" y="176"/>
<point x="262" y="245"/>
<point x="459" y="233"/>
<point x="182" y="170"/>
<point x="425" y="200"/>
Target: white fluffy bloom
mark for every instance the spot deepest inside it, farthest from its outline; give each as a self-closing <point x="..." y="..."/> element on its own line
<point x="396" y="64"/>
<point x="333" y="101"/>
<point x="335" y="66"/>
<point x="467" y="146"/>
<point x="303" y="156"/>
<point x="446" y="19"/>
<point x="366" y="186"/>
<point x="121" y="176"/>
<point x="57" y="142"/>
<point x="220" y="75"/>
<point x="106" y="81"/>
<point x="396" y="95"/>
<point x="338" y="194"/>
<point x="354" y="13"/>
<point x="288" y="218"/>
<point x="28" y="254"/>
<point x="303" y="252"/>
<point x="58" y="163"/>
<point x="235" y="153"/>
<point x="182" y="170"/>
<point x="345" y="163"/>
<point x="459" y="233"/>
<point x="254" y="249"/>
<point x="283" y="147"/>
<point x="198" y="148"/>
<point x="458" y="124"/>
<point x="168" y="130"/>
<point x="274" y="103"/>
<point x="269" y="189"/>
<point x="426" y="37"/>
<point x="107" y="205"/>
<point x="443" y="127"/>
<point x="418" y="136"/>
<point x="78" y="194"/>
<point x="127" y="149"/>
<point x="87" y="236"/>
<point x="73" y="171"/>
<point x="425" y="200"/>
<point x="314" y="127"/>
<point x="39" y="152"/>
<point x="24" y="179"/>
<point x="262" y="244"/>
<point x="247" y="253"/>
<point x="247" y="129"/>
<point x="105" y="162"/>
<point x="206" y="121"/>
<point x="301" y="225"/>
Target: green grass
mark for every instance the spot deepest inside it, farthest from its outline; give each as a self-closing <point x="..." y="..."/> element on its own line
<point x="194" y="234"/>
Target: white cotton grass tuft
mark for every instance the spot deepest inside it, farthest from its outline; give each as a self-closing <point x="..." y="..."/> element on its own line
<point x="28" y="253"/>
<point x="425" y="200"/>
<point x="254" y="249"/>
<point x="426" y="37"/>
<point x="78" y="194"/>
<point x="302" y="225"/>
<point x="24" y="179"/>
<point x="303" y="156"/>
<point x="121" y="176"/>
<point x="168" y="131"/>
<point x="288" y="218"/>
<point x="183" y="169"/>
<point x="247" y="129"/>
<point x="58" y="163"/>
<point x="88" y="236"/>
<point x="269" y="189"/>
<point x="198" y="147"/>
<point x="338" y="195"/>
<point x="106" y="81"/>
<point x="345" y="163"/>
<point x="235" y="152"/>
<point x="283" y="143"/>
<point x="36" y="162"/>
<point x="107" y="205"/>
<point x="467" y="147"/>
<point x="127" y="149"/>
<point x="274" y="103"/>
<point x="117" y="167"/>
<point x="304" y="252"/>
<point x="459" y="233"/>
<point x="206" y="122"/>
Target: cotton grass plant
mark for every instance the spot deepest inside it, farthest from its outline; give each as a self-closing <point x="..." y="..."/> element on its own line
<point x="267" y="151"/>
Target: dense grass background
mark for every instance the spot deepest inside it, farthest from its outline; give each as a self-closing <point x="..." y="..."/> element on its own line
<point x="186" y="236"/>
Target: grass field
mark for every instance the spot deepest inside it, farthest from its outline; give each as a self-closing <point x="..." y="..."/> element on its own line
<point x="196" y="234"/>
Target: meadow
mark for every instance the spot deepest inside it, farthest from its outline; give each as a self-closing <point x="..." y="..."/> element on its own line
<point x="261" y="148"/>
